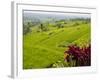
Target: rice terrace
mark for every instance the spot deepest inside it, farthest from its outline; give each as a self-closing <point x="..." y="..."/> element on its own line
<point x="56" y="40"/>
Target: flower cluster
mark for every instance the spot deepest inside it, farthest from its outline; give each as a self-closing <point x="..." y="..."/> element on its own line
<point x="82" y="55"/>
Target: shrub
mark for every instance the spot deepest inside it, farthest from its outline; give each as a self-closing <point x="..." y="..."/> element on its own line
<point x="81" y="55"/>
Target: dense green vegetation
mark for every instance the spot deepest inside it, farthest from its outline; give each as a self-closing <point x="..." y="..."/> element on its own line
<point x="44" y="43"/>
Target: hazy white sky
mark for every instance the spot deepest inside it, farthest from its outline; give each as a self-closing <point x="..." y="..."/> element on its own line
<point x="83" y="15"/>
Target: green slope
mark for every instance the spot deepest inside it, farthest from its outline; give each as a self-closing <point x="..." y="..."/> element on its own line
<point x="43" y="49"/>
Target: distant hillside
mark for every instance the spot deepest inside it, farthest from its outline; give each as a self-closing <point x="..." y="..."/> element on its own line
<point x="42" y="17"/>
